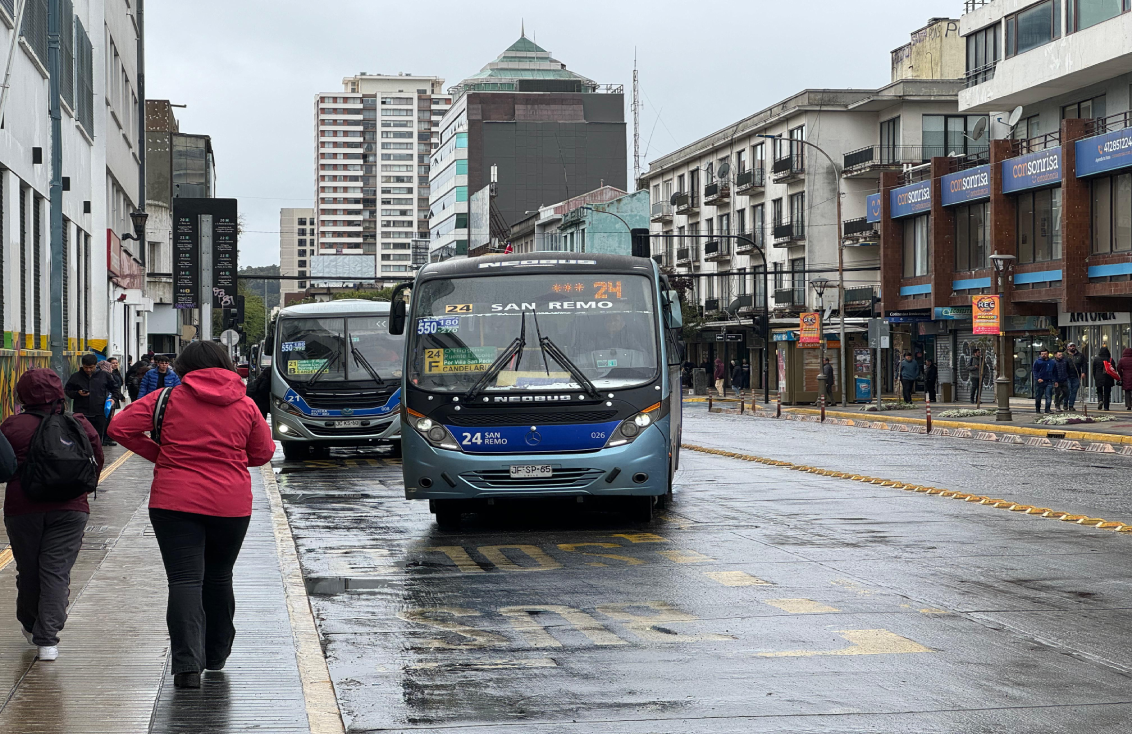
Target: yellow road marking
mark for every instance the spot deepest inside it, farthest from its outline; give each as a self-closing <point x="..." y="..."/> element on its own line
<point x="573" y="548"/>
<point x="864" y="642"/>
<point x="494" y="553"/>
<point x="999" y="504"/>
<point x="528" y="620"/>
<point x="113" y="467"/>
<point x="5" y="558"/>
<point x="736" y="578"/>
<point x="447" y="623"/>
<point x="645" y="626"/>
<point x="800" y="606"/>
<point x="685" y="556"/>
<point x="933" y="610"/>
<point x="459" y="556"/>
<point x="487" y="664"/>
<point x="641" y="537"/>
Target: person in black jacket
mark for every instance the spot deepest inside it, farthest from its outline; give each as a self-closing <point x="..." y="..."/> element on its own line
<point x="88" y="389"/>
<point x="1102" y="379"/>
<point x="931" y="377"/>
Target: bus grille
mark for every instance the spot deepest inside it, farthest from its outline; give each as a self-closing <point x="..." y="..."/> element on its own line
<point x="562" y="479"/>
<point x="532" y="419"/>
<point x="354" y="431"/>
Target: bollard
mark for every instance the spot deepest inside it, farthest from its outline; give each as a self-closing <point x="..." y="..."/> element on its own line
<point x="823" y="407"/>
<point x="709" y="402"/>
<point x="928" y="401"/>
<point x="741" y="402"/>
<point x="778" y="411"/>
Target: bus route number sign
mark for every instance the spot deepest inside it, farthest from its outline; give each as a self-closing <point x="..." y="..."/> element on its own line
<point x="458" y="360"/>
<point x="458" y="308"/>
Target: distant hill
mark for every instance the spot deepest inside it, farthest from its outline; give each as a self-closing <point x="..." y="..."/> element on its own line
<point x="267" y="289"/>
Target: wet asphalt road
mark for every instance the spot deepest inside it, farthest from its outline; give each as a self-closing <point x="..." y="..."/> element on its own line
<point x="764" y="600"/>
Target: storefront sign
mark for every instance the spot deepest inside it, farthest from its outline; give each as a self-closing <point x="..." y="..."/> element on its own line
<point x="1031" y="171"/>
<point x="785" y="336"/>
<point x="965" y="186"/>
<point x="908" y="200"/>
<point x="872" y="208"/>
<point x="1101" y="318"/>
<point x="986" y="315"/>
<point x="1107" y="152"/>
<point x="810" y="329"/>
<point x="951" y="313"/>
<point x="124" y="270"/>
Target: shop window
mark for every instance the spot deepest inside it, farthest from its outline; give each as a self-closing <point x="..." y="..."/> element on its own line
<point x="1112" y="214"/>
<point x="1039" y="225"/>
<point x="917" y="250"/>
<point x="972" y="251"/>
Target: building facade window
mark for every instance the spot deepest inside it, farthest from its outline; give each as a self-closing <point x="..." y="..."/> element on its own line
<point x="947" y="134"/>
<point x="890" y="141"/>
<point x="1039" y="225"/>
<point x="1089" y="109"/>
<point x="741" y="161"/>
<point x="1112" y="214"/>
<point x="798" y="213"/>
<point x="982" y="54"/>
<point x="798" y="279"/>
<point x="917" y="248"/>
<point x="1035" y="26"/>
<point x="972" y="239"/>
<point x="758" y="223"/>
<point x="1083" y="14"/>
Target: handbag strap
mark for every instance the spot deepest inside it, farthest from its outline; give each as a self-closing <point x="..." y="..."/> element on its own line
<point x="159" y="413"/>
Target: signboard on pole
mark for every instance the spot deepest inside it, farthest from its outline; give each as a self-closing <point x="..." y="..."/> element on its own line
<point x="986" y="315"/>
<point x="809" y="331"/>
<point x="186" y="259"/>
<point x="224" y="256"/>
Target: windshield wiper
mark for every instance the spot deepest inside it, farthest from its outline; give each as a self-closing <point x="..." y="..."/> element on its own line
<point x="549" y="347"/>
<point x="323" y="369"/>
<point x="515" y="347"/>
<point x="361" y="359"/>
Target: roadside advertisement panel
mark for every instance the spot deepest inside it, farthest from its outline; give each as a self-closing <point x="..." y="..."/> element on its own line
<point x="809" y="331"/>
<point x="965" y="186"/>
<point x="1102" y="153"/>
<point x="1031" y="171"/>
<point x="908" y="200"/>
<point x="986" y="315"/>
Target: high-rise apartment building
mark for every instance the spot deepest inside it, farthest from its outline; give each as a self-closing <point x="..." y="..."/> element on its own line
<point x="296" y="247"/>
<point x="374" y="141"/>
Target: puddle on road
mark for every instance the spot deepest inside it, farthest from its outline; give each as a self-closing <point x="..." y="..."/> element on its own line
<point x="303" y="498"/>
<point x="325" y="586"/>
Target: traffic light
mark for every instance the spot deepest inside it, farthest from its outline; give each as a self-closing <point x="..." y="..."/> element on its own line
<point x="640" y="242"/>
<point x="762" y="324"/>
<point x="240" y="309"/>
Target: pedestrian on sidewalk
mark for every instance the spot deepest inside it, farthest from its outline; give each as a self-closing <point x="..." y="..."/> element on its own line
<point x="746" y="368"/>
<point x="200" y="502"/>
<point x="1078" y="369"/>
<point x="736" y="377"/>
<point x="1125" y="370"/>
<point x="111" y="365"/>
<point x="975" y="367"/>
<point x="1044" y="377"/>
<point x="719" y="373"/>
<point x="88" y="390"/>
<point x="134" y="379"/>
<point x="45" y="536"/>
<point x="160" y="376"/>
<point x="1102" y="379"/>
<point x="1061" y="380"/>
<point x="931" y="377"/>
<point x="827" y="380"/>
<point x="909" y="373"/>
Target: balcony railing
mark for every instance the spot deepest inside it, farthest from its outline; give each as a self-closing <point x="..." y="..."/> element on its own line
<point x="742" y="247"/>
<point x="860" y="296"/>
<point x="1108" y="124"/>
<point x="969" y="5"/>
<point x="1033" y="145"/>
<point x="750" y="179"/>
<point x="858" y="228"/>
<point x="687" y="255"/>
<point x="980" y="75"/>
<point x="790" y="296"/>
<point x="717" y="250"/>
<point x="685" y="202"/>
<point x="894" y="156"/>
<point x="788" y="232"/>
<point x="711" y="305"/>
<point x="717" y="192"/>
<point x="788" y="167"/>
<point x="661" y="211"/>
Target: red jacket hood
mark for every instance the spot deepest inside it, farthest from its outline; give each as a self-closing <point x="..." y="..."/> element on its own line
<point x="1127" y="353"/>
<point x="215" y="385"/>
<point x="39" y="387"/>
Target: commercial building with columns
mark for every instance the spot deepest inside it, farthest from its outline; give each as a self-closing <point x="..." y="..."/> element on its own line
<point x="1054" y="191"/>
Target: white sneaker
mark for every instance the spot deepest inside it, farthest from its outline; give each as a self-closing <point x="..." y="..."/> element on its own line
<point x="48" y="653"/>
<point x="27" y="635"/>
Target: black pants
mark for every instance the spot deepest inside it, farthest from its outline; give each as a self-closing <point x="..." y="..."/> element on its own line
<point x="44" y="546"/>
<point x="909" y="386"/>
<point x="1104" y="396"/>
<point x="199" y="552"/>
<point x="99" y="423"/>
<point x="976" y="388"/>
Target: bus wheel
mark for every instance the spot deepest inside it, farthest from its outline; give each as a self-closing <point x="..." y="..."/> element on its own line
<point x="642" y="509"/>
<point x="295" y="450"/>
<point x="663" y="501"/>
<point x="447" y="513"/>
<point x="320" y="451"/>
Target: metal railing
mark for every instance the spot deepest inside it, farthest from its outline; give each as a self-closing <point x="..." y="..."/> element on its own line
<point x="790" y="296"/>
<point x="1033" y="145"/>
<point x="661" y="209"/>
<point x="716" y="191"/>
<point x="982" y="74"/>
<point x="969" y="5"/>
<point x="877" y="156"/>
<point x="858" y="227"/>
<point x="860" y="295"/>
<point x="1108" y="124"/>
<point x="717" y="249"/>
<point x="787" y="231"/>
<point x="687" y="254"/>
<point x="743" y="247"/>
<point x="750" y="178"/>
<point x="790" y="165"/>
<point x="711" y="305"/>
<point x="684" y="201"/>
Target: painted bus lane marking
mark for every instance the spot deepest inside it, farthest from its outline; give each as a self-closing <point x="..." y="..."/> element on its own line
<point x="862" y="642"/>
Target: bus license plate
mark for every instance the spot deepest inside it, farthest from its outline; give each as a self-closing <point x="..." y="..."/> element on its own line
<point x="348" y="424"/>
<point x="530" y="471"/>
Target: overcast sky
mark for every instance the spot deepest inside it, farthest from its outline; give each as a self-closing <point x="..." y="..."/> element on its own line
<point x="249" y="70"/>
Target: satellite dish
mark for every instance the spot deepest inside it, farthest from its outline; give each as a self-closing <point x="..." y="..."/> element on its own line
<point x="724" y="169"/>
<point x="672" y="199"/>
<point x="1015" y="116"/>
<point x="981" y="126"/>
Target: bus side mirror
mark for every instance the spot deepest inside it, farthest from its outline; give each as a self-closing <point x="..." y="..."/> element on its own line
<point x="675" y="315"/>
<point x="398" y="309"/>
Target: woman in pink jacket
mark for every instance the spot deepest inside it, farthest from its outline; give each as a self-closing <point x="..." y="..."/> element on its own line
<point x="200" y="502"/>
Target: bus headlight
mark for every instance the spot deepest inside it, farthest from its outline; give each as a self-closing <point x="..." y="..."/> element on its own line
<point x="436" y="434"/>
<point x="287" y="407"/>
<point x="632" y="426"/>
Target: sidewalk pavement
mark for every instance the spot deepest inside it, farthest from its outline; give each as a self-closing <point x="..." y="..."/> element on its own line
<point x="1118" y="431"/>
<point x="112" y="674"/>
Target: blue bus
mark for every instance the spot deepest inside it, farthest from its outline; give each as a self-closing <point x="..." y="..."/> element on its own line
<point x="537" y="377"/>
<point x="336" y="377"/>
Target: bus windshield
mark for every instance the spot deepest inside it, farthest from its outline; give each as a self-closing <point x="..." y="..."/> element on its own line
<point x="355" y="348"/>
<point x="603" y="325"/>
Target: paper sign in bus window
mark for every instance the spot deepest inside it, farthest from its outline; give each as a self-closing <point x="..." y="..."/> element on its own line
<point x="459" y="359"/>
<point x="304" y="366"/>
<point x="293" y="347"/>
<point x="458" y="308"/>
<point x="445" y="325"/>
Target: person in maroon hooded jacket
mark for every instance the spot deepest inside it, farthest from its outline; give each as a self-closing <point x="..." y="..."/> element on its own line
<point x="1124" y="367"/>
<point x="200" y="502"/>
<point x="45" y="536"/>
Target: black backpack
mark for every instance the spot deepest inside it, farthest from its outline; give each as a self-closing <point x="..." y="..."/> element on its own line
<point x="60" y="463"/>
<point x="159" y="414"/>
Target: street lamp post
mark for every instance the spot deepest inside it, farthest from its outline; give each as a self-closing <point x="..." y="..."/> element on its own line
<point x="1002" y="265"/>
<point x="819" y="285"/>
<point x="840" y="252"/>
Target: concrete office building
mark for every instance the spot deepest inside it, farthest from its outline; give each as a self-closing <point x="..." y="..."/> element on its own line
<point x="296" y="248"/>
<point x="547" y="132"/>
<point x="1055" y="192"/>
<point x="782" y="194"/>
<point x="104" y="309"/>
<point x="374" y="140"/>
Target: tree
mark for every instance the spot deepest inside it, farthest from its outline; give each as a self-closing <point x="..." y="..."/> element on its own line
<point x="265" y="289"/>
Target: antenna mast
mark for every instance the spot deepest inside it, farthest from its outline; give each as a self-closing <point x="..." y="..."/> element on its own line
<point x="636" y="126"/>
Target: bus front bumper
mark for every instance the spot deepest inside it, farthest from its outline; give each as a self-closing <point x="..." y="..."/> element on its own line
<point x="289" y="427"/>
<point x="636" y="469"/>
